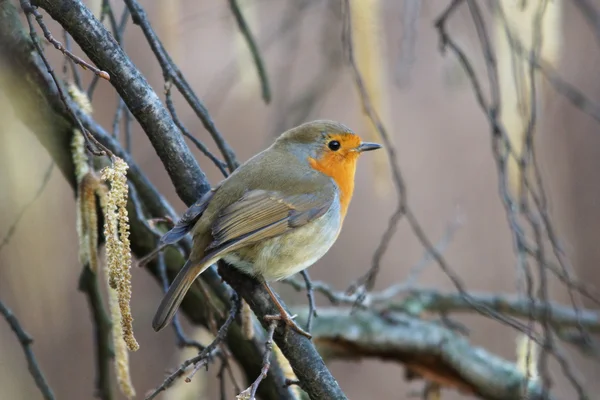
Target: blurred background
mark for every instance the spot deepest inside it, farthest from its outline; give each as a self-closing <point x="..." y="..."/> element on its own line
<point x="442" y="140"/>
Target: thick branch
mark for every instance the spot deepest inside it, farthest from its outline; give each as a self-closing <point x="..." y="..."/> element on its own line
<point x="428" y="350"/>
<point x="309" y="367"/>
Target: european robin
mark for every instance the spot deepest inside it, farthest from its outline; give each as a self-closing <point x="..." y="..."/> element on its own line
<point x="275" y="215"/>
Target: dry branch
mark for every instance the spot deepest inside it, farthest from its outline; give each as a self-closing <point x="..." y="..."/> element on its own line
<point x="428" y="350"/>
<point x="88" y="283"/>
<point x="26" y="341"/>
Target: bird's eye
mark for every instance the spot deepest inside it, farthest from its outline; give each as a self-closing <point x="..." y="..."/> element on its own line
<point x="334" y="145"/>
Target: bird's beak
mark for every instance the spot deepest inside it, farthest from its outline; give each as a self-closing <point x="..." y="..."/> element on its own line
<point x="366" y="146"/>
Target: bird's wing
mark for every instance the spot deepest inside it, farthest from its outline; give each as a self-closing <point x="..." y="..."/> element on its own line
<point x="262" y="214"/>
<point x="188" y="220"/>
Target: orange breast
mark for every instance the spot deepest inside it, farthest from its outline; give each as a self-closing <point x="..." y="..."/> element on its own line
<point x="342" y="170"/>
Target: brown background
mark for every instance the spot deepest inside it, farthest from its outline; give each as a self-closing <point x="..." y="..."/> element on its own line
<point x="443" y="143"/>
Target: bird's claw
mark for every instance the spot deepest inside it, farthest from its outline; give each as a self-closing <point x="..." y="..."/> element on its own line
<point x="289" y="323"/>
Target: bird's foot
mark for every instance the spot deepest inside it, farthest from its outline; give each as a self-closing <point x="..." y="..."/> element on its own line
<point x="289" y="323"/>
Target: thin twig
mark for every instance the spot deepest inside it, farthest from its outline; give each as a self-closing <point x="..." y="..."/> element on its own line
<point x="128" y="123"/>
<point x="559" y="317"/>
<point x="26" y="341"/>
<point x="258" y="61"/>
<point x="250" y="393"/>
<point x="219" y="89"/>
<point x="31" y="12"/>
<point x="38" y="193"/>
<point x="311" y="300"/>
<point x="540" y="199"/>
<point x="199" y="145"/>
<point x="367" y="281"/>
<point x="171" y="71"/>
<point x="59" y="46"/>
<point x="205" y="354"/>
<point x="117" y="118"/>
<point x="69" y="61"/>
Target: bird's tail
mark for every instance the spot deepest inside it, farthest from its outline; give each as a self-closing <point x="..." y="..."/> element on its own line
<point x="180" y="286"/>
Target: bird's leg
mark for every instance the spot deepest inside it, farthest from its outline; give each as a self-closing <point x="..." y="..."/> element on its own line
<point x="283" y="315"/>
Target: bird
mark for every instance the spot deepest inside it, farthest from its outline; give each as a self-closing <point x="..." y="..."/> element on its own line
<point x="275" y="215"/>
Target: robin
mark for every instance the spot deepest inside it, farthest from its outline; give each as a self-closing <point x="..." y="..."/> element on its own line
<point x="275" y="215"/>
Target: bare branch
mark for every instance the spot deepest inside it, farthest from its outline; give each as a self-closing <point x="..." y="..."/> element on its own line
<point x="205" y="355"/>
<point x="427" y="350"/>
<point x="520" y="209"/>
<point x="171" y="72"/>
<point x="199" y="145"/>
<point x="26" y="341"/>
<point x="258" y="61"/>
<point x="311" y="299"/>
<point x="316" y="379"/>
<point x="88" y="284"/>
<point x="13" y="227"/>
<point x="560" y="317"/>
<point x="250" y="393"/>
<point x="117" y="32"/>
<point x="58" y="45"/>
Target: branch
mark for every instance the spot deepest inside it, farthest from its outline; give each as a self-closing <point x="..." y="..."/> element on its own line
<point x="250" y="393"/>
<point x="88" y="283"/>
<point x="171" y="72"/>
<point x="105" y="52"/>
<point x="25" y="340"/>
<point x="559" y="316"/>
<point x="206" y="354"/>
<point x="564" y="320"/>
<point x="258" y="62"/>
<point x="315" y="379"/>
<point x="12" y="228"/>
<point x="428" y="350"/>
<point x="59" y="46"/>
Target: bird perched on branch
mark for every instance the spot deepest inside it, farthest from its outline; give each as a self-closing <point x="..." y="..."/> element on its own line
<point x="275" y="215"/>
